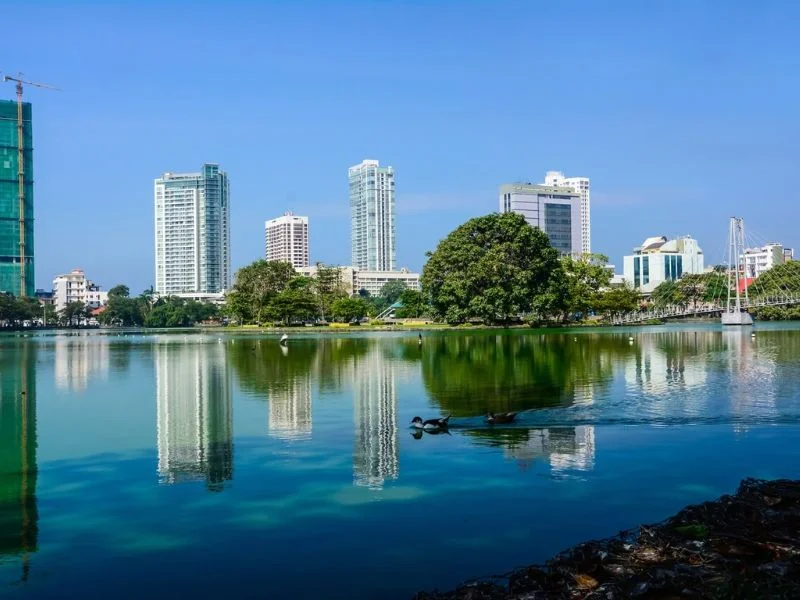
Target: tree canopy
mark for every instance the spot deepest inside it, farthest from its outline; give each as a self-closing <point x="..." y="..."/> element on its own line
<point x="489" y="268"/>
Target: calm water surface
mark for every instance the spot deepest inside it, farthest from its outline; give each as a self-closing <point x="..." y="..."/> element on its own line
<point x="199" y="465"/>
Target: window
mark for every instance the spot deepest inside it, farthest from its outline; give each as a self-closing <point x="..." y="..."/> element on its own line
<point x="636" y="270"/>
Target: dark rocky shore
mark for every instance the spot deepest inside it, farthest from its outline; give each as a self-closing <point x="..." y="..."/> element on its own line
<point x="741" y="546"/>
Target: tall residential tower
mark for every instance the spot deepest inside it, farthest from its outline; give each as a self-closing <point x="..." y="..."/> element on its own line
<point x="286" y="240"/>
<point x="16" y="230"/>
<point x="192" y="214"/>
<point x="372" y="229"/>
<point x="579" y="185"/>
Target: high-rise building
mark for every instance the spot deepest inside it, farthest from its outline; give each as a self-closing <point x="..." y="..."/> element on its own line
<point x="16" y="242"/>
<point x="555" y="210"/>
<point x="286" y="240"/>
<point x="581" y="186"/>
<point x="372" y="208"/>
<point x="192" y="214"/>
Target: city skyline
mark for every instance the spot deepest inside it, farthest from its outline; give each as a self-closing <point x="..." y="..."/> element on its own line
<point x="654" y="153"/>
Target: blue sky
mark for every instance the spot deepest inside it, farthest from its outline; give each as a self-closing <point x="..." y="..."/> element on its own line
<point x="682" y="113"/>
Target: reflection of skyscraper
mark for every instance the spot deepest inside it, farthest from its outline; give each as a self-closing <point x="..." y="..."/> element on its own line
<point x="78" y="358"/>
<point x="195" y="414"/>
<point x="566" y="448"/>
<point x="290" y="409"/>
<point x="19" y="519"/>
<point x="375" y="415"/>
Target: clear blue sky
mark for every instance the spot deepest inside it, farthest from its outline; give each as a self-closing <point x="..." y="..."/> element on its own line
<point x="681" y="112"/>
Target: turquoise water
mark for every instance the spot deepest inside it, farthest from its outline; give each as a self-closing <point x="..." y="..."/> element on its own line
<point x="196" y="464"/>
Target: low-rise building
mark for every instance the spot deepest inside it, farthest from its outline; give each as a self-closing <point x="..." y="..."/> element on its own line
<point x="354" y="280"/>
<point x="74" y="287"/>
<point x="758" y="261"/>
<point x="658" y="260"/>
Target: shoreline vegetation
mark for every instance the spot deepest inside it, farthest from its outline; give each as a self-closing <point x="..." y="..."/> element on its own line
<point x="742" y="546"/>
<point x="494" y="270"/>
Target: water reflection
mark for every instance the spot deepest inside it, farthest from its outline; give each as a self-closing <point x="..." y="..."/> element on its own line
<point x="471" y="375"/>
<point x="195" y="413"/>
<point x="19" y="517"/>
<point x="375" y="448"/>
<point x="78" y="358"/>
<point x="290" y="408"/>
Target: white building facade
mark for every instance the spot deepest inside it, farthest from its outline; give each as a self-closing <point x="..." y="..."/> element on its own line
<point x="192" y="235"/>
<point x="758" y="261"/>
<point x="372" y="216"/>
<point x="286" y="240"/>
<point x="555" y="210"/>
<point x="74" y="287"/>
<point x="581" y="186"/>
<point x="354" y="280"/>
<point x="658" y="260"/>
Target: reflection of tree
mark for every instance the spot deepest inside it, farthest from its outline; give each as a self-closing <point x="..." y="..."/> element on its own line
<point x="19" y="519"/>
<point x="263" y="368"/>
<point x="468" y="375"/>
<point x="195" y="414"/>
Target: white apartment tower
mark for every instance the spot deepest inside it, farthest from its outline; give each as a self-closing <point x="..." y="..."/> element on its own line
<point x="286" y="239"/>
<point x="192" y="239"/>
<point x="581" y="186"/>
<point x="372" y="212"/>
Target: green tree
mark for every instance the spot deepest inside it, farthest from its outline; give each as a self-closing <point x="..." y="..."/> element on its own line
<point x="119" y="291"/>
<point x="74" y="313"/>
<point x="296" y="302"/>
<point x="585" y="277"/>
<point x="349" y="309"/>
<point x="779" y="280"/>
<point x="328" y="287"/>
<point x="414" y="304"/>
<point x="491" y="268"/>
<point x="255" y="286"/>
<point x="618" y="300"/>
<point x="668" y="293"/>
<point x="392" y="290"/>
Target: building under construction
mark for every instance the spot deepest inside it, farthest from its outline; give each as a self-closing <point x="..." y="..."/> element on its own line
<point x="16" y="248"/>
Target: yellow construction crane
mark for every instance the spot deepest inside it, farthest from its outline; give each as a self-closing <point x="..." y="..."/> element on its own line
<point x="21" y="172"/>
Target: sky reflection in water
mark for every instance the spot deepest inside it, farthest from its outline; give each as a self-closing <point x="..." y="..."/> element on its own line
<point x="197" y="464"/>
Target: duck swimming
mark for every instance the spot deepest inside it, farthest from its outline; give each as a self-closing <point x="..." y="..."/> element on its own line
<point x="284" y="339"/>
<point x="430" y="424"/>
<point x="500" y="418"/>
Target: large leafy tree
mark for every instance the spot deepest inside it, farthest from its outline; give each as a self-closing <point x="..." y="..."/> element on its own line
<point x="490" y="268"/>
<point x="414" y="304"/>
<point x="255" y="286"/>
<point x="618" y="300"/>
<point x="392" y="290"/>
<point x="122" y="309"/>
<point x="328" y="287"/>
<point x="349" y="309"/>
<point x="585" y="276"/>
<point x="295" y="302"/>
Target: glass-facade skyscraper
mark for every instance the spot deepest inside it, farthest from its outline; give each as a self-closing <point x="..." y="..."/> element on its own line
<point x="14" y="246"/>
<point x="192" y="239"/>
<point x="372" y="208"/>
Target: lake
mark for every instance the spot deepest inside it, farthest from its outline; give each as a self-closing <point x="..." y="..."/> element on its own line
<point x="200" y="464"/>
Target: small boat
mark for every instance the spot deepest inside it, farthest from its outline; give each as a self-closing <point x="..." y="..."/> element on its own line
<point x="430" y="424"/>
<point x="501" y="418"/>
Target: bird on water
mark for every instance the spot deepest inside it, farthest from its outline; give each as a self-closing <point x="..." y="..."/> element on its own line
<point x="431" y="424"/>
